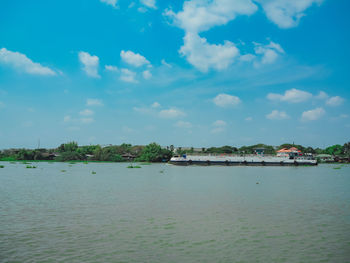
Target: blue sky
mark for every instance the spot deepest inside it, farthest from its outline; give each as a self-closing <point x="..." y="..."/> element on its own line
<point x="189" y="73"/>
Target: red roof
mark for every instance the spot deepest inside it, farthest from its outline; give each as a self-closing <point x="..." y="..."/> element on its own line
<point x="285" y="150"/>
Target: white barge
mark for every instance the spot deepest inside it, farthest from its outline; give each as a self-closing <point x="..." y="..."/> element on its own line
<point x="250" y="160"/>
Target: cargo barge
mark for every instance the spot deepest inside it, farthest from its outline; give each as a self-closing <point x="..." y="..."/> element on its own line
<point x="250" y="160"/>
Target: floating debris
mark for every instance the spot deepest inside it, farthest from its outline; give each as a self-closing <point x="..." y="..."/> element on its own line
<point x="93" y="172"/>
<point x="30" y="166"/>
<point x="63" y="171"/>
<point x="2" y="166"/>
<point x="133" y="166"/>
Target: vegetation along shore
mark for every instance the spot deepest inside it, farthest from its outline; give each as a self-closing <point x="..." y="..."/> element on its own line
<point x="153" y="152"/>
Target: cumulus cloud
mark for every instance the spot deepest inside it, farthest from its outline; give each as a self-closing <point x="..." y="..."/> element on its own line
<point x="86" y="112"/>
<point x="147" y="74"/>
<point x="155" y="105"/>
<point x="204" y="56"/>
<point x="111" y="68"/>
<point x="226" y="100"/>
<point x="94" y="102"/>
<point x="133" y="59"/>
<point x="277" y="115"/>
<point x="128" y="76"/>
<point x="269" y="53"/>
<point x="149" y="3"/>
<point x="322" y="95"/>
<point x="335" y="101"/>
<point x="110" y="2"/>
<point x="22" y="63"/>
<point x="171" y="113"/>
<point x="198" y="16"/>
<point x="90" y="64"/>
<point x="292" y="96"/>
<point x="312" y="115"/>
<point x="219" y="123"/>
<point x="183" y="124"/>
<point x="286" y="13"/>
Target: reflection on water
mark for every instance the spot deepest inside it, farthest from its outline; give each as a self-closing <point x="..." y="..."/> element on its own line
<point x="183" y="214"/>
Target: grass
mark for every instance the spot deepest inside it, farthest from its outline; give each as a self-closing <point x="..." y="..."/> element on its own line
<point x="30" y="166"/>
<point x="336" y="168"/>
<point x="145" y="163"/>
<point x="7" y="159"/>
<point x="134" y="166"/>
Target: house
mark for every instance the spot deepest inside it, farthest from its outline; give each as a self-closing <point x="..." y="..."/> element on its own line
<point x="285" y="152"/>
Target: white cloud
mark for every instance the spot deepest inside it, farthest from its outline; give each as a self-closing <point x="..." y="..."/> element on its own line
<point x="312" y="115"/>
<point x="269" y="53"/>
<point x="165" y="63"/>
<point x="2" y="105"/>
<point x="155" y="105"/>
<point x="147" y="74"/>
<point x="204" y="56"/>
<point x="183" y="124"/>
<point x="111" y="68"/>
<point x="87" y="120"/>
<point x="218" y="130"/>
<point x="322" y="95"/>
<point x="248" y="119"/>
<point x="110" y="2"/>
<point x="219" y="123"/>
<point x="133" y="59"/>
<point x="198" y="16"/>
<point x="171" y="113"/>
<point x="22" y="63"/>
<point x="335" y="101"/>
<point x="142" y="10"/>
<point x="247" y="57"/>
<point x="94" y="102"/>
<point x="277" y="115"/>
<point x="67" y="118"/>
<point x="149" y="3"/>
<point x="86" y="112"/>
<point x="128" y="76"/>
<point x="292" y="96"/>
<point x="90" y="64"/>
<point x="225" y="100"/>
<point x="286" y="13"/>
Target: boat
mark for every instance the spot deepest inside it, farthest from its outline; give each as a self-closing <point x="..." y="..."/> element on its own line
<point x="247" y="160"/>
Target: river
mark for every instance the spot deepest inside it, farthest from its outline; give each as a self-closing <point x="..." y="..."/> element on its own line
<point x="105" y="212"/>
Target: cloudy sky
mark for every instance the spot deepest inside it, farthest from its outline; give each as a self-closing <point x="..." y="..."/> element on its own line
<point x="189" y="73"/>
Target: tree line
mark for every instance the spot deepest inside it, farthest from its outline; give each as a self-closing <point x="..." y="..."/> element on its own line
<point x="152" y="152"/>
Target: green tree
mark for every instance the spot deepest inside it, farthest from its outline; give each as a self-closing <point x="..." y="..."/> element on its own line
<point x="68" y="147"/>
<point x="154" y="153"/>
<point x="335" y="150"/>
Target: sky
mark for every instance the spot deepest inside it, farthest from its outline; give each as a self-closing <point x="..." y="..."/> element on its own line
<point x="196" y="73"/>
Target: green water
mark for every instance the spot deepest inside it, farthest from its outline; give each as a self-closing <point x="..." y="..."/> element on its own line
<point x="164" y="213"/>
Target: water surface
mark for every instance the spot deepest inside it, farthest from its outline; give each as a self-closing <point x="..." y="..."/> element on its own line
<point x="165" y="213"/>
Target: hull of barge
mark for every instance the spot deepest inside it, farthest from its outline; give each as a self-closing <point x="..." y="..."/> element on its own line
<point x="240" y="161"/>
